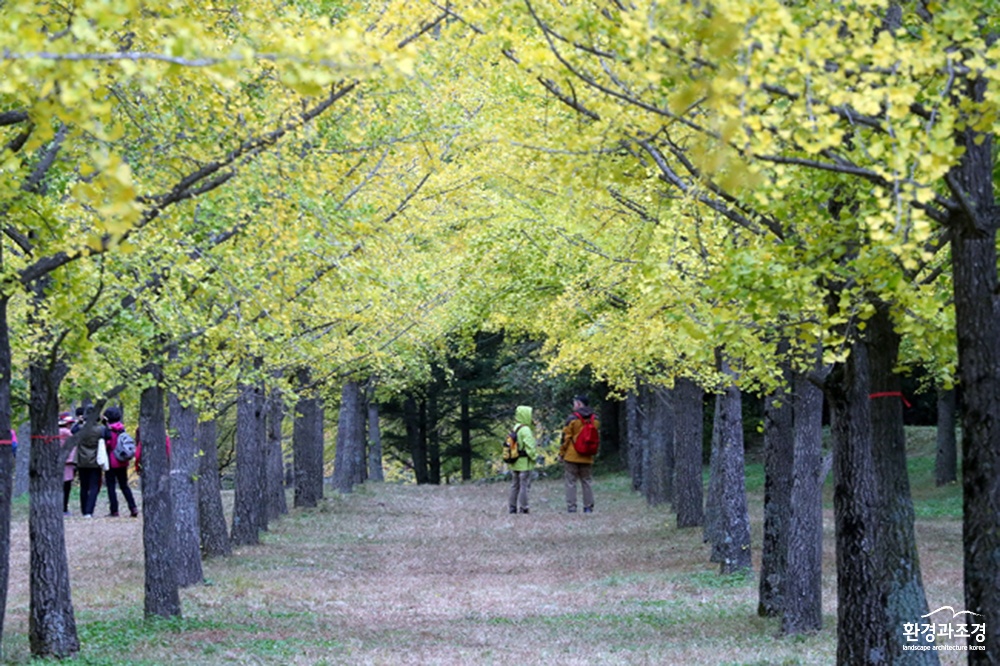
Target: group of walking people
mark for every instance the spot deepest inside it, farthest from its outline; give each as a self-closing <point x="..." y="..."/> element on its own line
<point x="94" y="457"/>
<point x="577" y="466"/>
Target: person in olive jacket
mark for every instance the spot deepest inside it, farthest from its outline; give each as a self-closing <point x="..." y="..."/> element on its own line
<point x="88" y="469"/>
<point x="520" y="470"/>
<point x="577" y="467"/>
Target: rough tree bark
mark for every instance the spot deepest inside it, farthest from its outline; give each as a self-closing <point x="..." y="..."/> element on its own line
<point x="803" y="582"/>
<point x="22" y="459"/>
<point x="276" y="505"/>
<point x="7" y="463"/>
<point x="51" y="621"/>
<point x="734" y="514"/>
<point x="779" y="451"/>
<point x="349" y="462"/>
<point x="248" y="504"/>
<point x="861" y="620"/>
<point x="432" y="430"/>
<point x="689" y="429"/>
<point x="633" y="439"/>
<point x="415" y="421"/>
<point x="946" y="461"/>
<point x="158" y="531"/>
<point x="375" y="472"/>
<point x="658" y="468"/>
<point x="307" y="447"/>
<point x="712" y="532"/>
<point x="905" y="600"/>
<point x="977" y="319"/>
<point x="465" y="429"/>
<point x="184" y="475"/>
<point x="211" y="517"/>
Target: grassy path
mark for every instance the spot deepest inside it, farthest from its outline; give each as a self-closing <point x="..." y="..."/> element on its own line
<point x="443" y="575"/>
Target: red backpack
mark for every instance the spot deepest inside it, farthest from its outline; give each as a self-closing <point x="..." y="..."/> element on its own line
<point x="588" y="438"/>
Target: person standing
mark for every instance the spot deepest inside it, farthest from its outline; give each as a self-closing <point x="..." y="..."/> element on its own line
<point x="578" y="466"/>
<point x="117" y="473"/>
<point x="81" y="418"/>
<point x="520" y="469"/>
<point x="87" y="466"/>
<point x="69" y="466"/>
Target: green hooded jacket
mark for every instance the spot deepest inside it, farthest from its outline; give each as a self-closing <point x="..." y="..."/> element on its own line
<point x="525" y="440"/>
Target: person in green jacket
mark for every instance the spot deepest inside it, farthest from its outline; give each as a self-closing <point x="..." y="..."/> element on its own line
<point x="520" y="470"/>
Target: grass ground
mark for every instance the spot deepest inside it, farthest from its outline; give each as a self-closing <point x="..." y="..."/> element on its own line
<point x="396" y="574"/>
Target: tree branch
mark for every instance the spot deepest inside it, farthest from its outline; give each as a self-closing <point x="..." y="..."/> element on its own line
<point x="190" y="186"/>
<point x="34" y="182"/>
<point x="12" y="117"/>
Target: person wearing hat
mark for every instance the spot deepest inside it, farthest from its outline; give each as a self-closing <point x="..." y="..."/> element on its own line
<point x="66" y="421"/>
<point x="578" y="467"/>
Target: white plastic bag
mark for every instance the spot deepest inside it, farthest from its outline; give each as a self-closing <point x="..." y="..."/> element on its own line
<point x="102" y="455"/>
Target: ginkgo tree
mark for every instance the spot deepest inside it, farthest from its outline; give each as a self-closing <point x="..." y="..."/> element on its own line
<point x="105" y="130"/>
<point x="695" y="180"/>
<point x="691" y="97"/>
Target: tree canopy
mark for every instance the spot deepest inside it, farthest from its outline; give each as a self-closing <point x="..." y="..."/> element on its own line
<point x="237" y="192"/>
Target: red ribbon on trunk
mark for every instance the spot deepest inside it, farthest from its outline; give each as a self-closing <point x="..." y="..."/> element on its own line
<point x="892" y="394"/>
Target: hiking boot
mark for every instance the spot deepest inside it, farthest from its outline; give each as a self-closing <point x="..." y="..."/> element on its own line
<point x="113" y="514"/>
<point x="134" y="512"/>
<point x="524" y="509"/>
<point x="512" y="509"/>
<point x="588" y="509"/>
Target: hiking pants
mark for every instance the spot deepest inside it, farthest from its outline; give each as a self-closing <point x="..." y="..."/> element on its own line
<point x="90" y="487"/>
<point x="519" y="489"/>
<point x="581" y="472"/>
<point x="119" y="475"/>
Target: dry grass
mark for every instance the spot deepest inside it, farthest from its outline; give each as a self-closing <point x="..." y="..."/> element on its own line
<point x="419" y="575"/>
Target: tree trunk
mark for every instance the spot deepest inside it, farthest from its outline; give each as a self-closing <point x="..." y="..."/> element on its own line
<point x="276" y="505"/>
<point x="946" y="462"/>
<point x="734" y="517"/>
<point x="861" y="621"/>
<point x="465" y="428"/>
<point x="658" y="474"/>
<point x="413" y="417"/>
<point x="904" y="587"/>
<point x="158" y="530"/>
<point x="307" y="448"/>
<point x="634" y="439"/>
<point x="611" y="430"/>
<point x="689" y="427"/>
<point x="977" y="320"/>
<point x="22" y="459"/>
<point x="713" y="531"/>
<point x="51" y="623"/>
<point x="779" y="450"/>
<point x="7" y="462"/>
<point x="803" y="582"/>
<point x="375" y="472"/>
<point x="251" y="483"/>
<point x="349" y="463"/>
<point x="433" y="430"/>
<point x="211" y="517"/>
<point x="184" y="476"/>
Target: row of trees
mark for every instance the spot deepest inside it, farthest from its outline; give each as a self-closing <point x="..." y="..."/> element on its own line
<point x="284" y="204"/>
